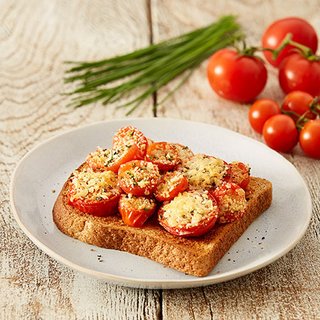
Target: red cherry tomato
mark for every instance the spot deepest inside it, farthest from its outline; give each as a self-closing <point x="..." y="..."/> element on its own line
<point x="231" y="200"/>
<point x="103" y="207"/>
<point x="309" y="139"/>
<point x="184" y="152"/>
<point x="296" y="104"/>
<point x="138" y="177"/>
<point x="164" y="155"/>
<point x="261" y="111"/>
<point x="135" y="211"/>
<point x="280" y="133"/>
<point x="85" y="194"/>
<point x="128" y="136"/>
<point x="239" y="174"/>
<point x="191" y="221"/>
<point x="236" y="77"/>
<point x="298" y="73"/>
<point x="172" y="183"/>
<point x="301" y="31"/>
<point x="111" y="159"/>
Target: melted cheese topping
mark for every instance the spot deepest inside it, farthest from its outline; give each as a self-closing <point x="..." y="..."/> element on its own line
<point x="137" y="203"/>
<point x="204" y="171"/>
<point x="188" y="209"/>
<point x="93" y="185"/>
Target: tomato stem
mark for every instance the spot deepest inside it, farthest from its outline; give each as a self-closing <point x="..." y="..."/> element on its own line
<point x="302" y="120"/>
<point x="246" y="51"/>
<point x="315" y="105"/>
<point x="304" y="50"/>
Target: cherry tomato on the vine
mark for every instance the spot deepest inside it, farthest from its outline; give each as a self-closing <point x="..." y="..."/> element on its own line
<point x="309" y="138"/>
<point x="297" y="104"/>
<point x="235" y="76"/>
<point x="300" y="73"/>
<point x="261" y="111"/>
<point x="301" y="31"/>
<point x="280" y="133"/>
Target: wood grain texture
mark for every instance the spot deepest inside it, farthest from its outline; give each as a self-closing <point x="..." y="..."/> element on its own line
<point x="36" y="37"/>
<point x="287" y="289"/>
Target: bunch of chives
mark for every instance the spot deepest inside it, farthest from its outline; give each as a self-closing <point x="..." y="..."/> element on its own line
<point x="146" y="70"/>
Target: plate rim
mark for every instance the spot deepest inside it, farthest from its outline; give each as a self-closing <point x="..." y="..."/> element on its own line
<point x="156" y="283"/>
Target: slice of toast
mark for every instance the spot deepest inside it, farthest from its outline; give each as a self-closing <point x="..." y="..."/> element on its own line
<point x="193" y="256"/>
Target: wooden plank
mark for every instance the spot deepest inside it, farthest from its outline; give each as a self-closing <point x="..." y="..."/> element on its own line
<point x="290" y="287"/>
<point x="36" y="37"/>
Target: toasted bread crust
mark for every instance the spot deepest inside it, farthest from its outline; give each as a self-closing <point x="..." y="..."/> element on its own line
<point x="194" y="256"/>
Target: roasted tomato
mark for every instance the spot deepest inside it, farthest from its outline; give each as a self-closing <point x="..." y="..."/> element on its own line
<point x="184" y="152"/>
<point x="163" y="154"/>
<point x="136" y="210"/>
<point x="239" y="174"/>
<point x="231" y="200"/>
<point x="171" y="184"/>
<point x="129" y="136"/>
<point x="205" y="172"/>
<point x="92" y="192"/>
<point x="139" y="177"/>
<point x="111" y="159"/>
<point x="190" y="214"/>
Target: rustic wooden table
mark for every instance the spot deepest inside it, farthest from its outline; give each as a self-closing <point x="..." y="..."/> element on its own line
<point x="35" y="38"/>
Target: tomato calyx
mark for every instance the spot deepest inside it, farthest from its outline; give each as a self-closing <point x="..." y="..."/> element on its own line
<point x="248" y="51"/>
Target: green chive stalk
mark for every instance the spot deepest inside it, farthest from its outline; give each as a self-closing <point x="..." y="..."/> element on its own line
<point x="146" y="70"/>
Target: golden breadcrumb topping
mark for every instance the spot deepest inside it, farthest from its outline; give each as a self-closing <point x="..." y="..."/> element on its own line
<point x="101" y="158"/>
<point x="188" y="209"/>
<point x="93" y="185"/>
<point x="204" y="171"/>
<point x="137" y="203"/>
<point x="129" y="136"/>
<point x="141" y="176"/>
<point x="169" y="182"/>
<point x="233" y="203"/>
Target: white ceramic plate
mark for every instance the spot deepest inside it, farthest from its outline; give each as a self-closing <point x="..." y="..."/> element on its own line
<point x="42" y="172"/>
